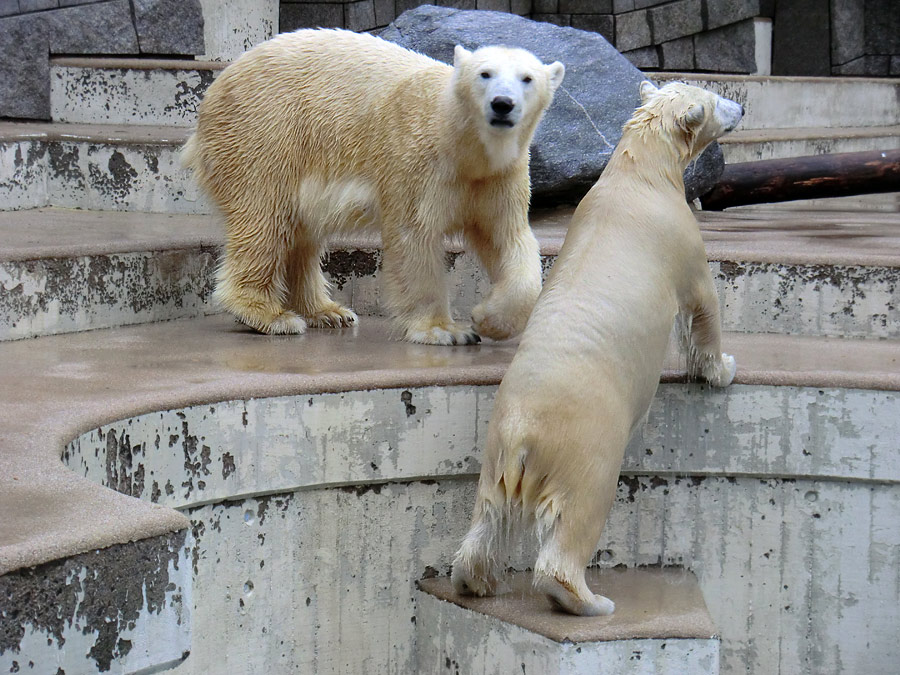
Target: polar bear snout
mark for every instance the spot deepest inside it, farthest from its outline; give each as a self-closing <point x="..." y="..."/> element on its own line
<point x="502" y="106"/>
<point x="729" y="113"/>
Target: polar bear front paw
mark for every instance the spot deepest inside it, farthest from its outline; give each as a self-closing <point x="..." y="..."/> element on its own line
<point x="503" y="317"/>
<point x="493" y="326"/>
<point x="452" y="334"/>
<point x="725" y="371"/>
<point x="286" y="323"/>
<point x="332" y="316"/>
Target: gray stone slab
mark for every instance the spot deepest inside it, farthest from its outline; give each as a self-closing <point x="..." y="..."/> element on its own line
<point x="99" y="28"/>
<point x="645" y="57"/>
<point x="360" y="16"/>
<point x="848" y="40"/>
<point x="723" y="12"/>
<point x="675" y="20"/>
<point x="24" y="67"/>
<point x="633" y="30"/>
<point x="605" y="24"/>
<point x="872" y="65"/>
<point x="882" y="27"/>
<point x="546" y="6"/>
<point x="585" y="6"/>
<point x="555" y="19"/>
<point x="677" y="54"/>
<point x="36" y="5"/>
<point x="520" y="7"/>
<point x="731" y="49"/>
<point x="584" y="123"/>
<point x="308" y="15"/>
<point x="384" y="12"/>
<point x="493" y="5"/>
<point x="9" y="7"/>
<point x="169" y="26"/>
<point x="802" y="39"/>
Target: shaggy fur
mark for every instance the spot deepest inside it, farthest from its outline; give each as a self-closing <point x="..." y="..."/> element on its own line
<point x="322" y="131"/>
<point x="590" y="358"/>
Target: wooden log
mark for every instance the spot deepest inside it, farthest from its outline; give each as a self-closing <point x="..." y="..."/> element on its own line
<point x="814" y="177"/>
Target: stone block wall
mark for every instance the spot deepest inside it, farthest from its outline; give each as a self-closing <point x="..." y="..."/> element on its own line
<point x="865" y="37"/>
<point x="366" y="15"/>
<point x="653" y="34"/>
<point x="798" y="37"/>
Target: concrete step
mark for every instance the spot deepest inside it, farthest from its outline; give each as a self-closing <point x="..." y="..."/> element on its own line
<point x="324" y="475"/>
<point x="754" y="144"/>
<point x="811" y="272"/>
<point x="661" y="626"/>
<point x="772" y="102"/>
<point x="95" y="166"/>
<point x="102" y="90"/>
<point x="136" y="168"/>
<point x="129" y="91"/>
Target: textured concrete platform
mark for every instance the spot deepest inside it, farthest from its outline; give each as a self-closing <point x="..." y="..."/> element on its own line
<point x="55" y="388"/>
<point x="660" y="626"/>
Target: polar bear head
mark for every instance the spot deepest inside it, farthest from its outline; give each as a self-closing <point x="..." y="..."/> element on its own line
<point x="508" y="88"/>
<point x="692" y="117"/>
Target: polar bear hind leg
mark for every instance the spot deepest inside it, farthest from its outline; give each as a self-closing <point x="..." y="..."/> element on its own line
<point x="250" y="281"/>
<point x="479" y="562"/>
<point x="309" y="288"/>
<point x="567" y="546"/>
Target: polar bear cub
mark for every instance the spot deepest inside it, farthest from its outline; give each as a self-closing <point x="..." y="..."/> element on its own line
<point x="590" y="357"/>
<point x="318" y="132"/>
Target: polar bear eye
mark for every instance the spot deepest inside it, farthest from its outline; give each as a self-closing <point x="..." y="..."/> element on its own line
<point x="527" y="79"/>
<point x="485" y="75"/>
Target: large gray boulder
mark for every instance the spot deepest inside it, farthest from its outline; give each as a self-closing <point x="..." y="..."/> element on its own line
<point x="584" y="123"/>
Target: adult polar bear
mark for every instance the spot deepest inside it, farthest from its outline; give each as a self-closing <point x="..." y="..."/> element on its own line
<point x="589" y="361"/>
<point x="320" y="131"/>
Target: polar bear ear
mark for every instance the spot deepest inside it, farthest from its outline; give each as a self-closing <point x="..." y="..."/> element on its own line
<point x="692" y="117"/>
<point x="556" y="71"/>
<point x="460" y="55"/>
<point x="647" y="90"/>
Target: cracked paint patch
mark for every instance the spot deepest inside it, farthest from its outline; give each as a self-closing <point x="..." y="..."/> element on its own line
<point x="124" y="608"/>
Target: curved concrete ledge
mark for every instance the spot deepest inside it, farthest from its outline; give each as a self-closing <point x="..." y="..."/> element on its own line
<point x="73" y="384"/>
<point x="289" y="455"/>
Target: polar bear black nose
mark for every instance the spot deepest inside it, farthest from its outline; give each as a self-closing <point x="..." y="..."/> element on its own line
<point x="502" y="105"/>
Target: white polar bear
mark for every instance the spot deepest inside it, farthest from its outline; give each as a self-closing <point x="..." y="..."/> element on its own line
<point x="320" y="131"/>
<point x="589" y="361"/>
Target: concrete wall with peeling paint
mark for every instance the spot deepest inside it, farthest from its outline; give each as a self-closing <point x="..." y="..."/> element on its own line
<point x="61" y="295"/>
<point x="66" y="295"/>
<point x="123" y="609"/>
<point x="314" y="515"/>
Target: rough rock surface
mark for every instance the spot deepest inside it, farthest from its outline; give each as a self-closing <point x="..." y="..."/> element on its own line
<point x="581" y="128"/>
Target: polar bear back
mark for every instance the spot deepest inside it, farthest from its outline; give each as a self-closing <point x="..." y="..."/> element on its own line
<point x="327" y="102"/>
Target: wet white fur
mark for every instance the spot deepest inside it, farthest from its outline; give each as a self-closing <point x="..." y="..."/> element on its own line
<point x="320" y="131"/>
<point x="590" y="358"/>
